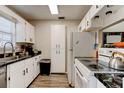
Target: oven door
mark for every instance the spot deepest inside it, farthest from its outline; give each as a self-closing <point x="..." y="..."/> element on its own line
<point x="80" y="80"/>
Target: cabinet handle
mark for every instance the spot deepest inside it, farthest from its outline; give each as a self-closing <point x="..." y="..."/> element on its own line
<point x="35" y="59"/>
<point x="23" y="72"/>
<point x="97" y="6"/>
<point x="80" y="28"/>
<point x="37" y="63"/>
<point x="108" y="12"/>
<point x="9" y="78"/>
<point x="56" y="52"/>
<point x="96" y="17"/>
<point x="87" y="23"/>
<point x="26" y="70"/>
<point x="110" y="51"/>
<point x="30" y="39"/>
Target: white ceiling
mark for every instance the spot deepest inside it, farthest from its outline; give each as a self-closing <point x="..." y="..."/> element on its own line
<point x="42" y="12"/>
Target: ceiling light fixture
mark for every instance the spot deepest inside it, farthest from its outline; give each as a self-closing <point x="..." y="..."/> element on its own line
<point x="53" y="9"/>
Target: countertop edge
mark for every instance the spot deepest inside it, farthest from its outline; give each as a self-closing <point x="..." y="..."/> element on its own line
<point x="18" y="60"/>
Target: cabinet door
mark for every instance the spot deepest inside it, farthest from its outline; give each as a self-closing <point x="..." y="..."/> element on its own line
<point x="17" y="75"/>
<point x="35" y="66"/>
<point x="32" y="34"/>
<point x="28" y="70"/>
<point x="54" y="60"/>
<point x="58" y="36"/>
<point x="20" y="32"/>
<point x="58" y="44"/>
<point x="94" y="10"/>
<point x="113" y="14"/>
<point x="58" y="61"/>
<point x="54" y="37"/>
<point x="27" y="31"/>
<point x="61" y="36"/>
<point x="38" y="64"/>
<point x="88" y="20"/>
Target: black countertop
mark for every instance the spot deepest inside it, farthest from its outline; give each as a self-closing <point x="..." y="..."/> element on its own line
<point x="16" y="60"/>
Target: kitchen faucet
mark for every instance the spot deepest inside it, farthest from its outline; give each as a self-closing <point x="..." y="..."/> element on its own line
<point x="5" y="48"/>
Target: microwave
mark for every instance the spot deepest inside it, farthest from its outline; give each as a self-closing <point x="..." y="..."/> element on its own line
<point x="112" y="37"/>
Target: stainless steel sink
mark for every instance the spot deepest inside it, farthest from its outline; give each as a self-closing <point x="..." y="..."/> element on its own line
<point x="13" y="58"/>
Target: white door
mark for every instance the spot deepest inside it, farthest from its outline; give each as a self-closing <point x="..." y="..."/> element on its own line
<point x="17" y="75"/>
<point x="57" y="49"/>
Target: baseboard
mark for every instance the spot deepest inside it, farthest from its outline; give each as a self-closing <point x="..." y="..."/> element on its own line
<point x="33" y="80"/>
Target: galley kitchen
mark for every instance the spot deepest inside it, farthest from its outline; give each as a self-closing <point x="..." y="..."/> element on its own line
<point x="62" y="46"/>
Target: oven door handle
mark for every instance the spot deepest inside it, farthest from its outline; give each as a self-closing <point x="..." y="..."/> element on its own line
<point x="78" y="71"/>
<point x="85" y="81"/>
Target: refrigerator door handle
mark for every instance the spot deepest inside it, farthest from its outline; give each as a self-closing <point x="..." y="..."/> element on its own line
<point x="71" y="49"/>
<point x="77" y="42"/>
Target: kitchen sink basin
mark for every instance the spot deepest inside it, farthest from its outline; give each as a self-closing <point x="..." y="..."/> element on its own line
<point x="9" y="59"/>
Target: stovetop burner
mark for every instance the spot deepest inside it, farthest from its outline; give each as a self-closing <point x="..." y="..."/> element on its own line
<point x="94" y="66"/>
<point x="86" y="60"/>
<point x="110" y="80"/>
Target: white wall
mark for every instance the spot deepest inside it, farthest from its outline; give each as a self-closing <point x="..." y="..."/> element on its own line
<point x="43" y="34"/>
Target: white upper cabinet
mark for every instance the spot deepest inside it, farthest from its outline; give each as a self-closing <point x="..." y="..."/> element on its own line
<point x="92" y="19"/>
<point x="24" y="30"/>
<point x="112" y="14"/>
<point x="81" y="26"/>
<point x="20" y="31"/>
<point x="30" y="33"/>
<point x="94" y="10"/>
<point x="101" y="16"/>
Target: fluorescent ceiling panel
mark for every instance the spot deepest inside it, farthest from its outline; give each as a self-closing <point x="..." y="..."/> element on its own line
<point x="53" y="9"/>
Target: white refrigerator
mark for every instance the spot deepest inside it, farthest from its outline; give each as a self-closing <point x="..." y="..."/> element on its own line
<point x="82" y="44"/>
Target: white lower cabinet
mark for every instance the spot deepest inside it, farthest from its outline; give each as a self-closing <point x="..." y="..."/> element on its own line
<point x="22" y="73"/>
<point x="37" y="65"/>
<point x="16" y="75"/>
<point x="28" y="72"/>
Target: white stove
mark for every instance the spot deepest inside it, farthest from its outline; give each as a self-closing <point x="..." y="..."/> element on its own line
<point x="86" y="68"/>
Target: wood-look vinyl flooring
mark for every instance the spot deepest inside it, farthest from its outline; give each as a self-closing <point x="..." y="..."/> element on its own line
<point x="51" y="81"/>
